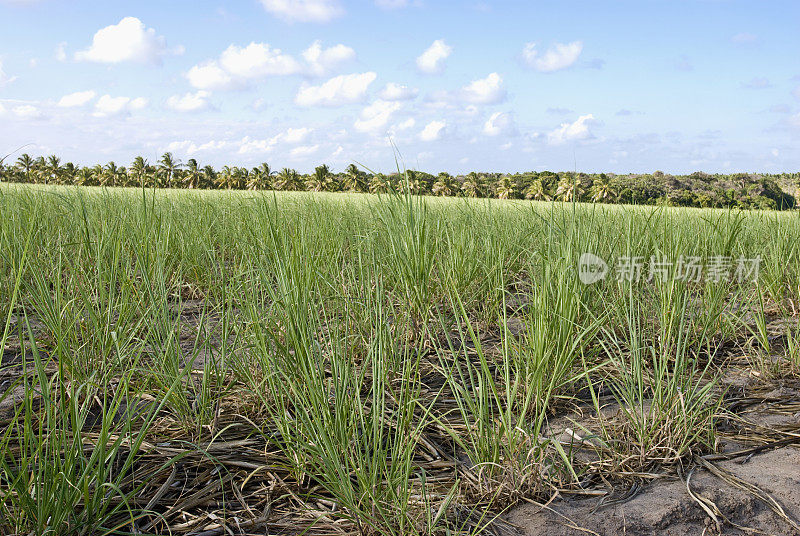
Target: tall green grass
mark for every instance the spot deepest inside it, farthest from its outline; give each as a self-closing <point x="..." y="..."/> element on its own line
<point x="405" y="363"/>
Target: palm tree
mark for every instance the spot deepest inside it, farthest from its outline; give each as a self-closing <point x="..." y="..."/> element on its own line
<point x="445" y="185"/>
<point x="354" y="179"/>
<point x="602" y="189"/>
<point x="321" y="180"/>
<point x="138" y="172"/>
<point x="225" y="178"/>
<point x="85" y="177"/>
<point x="472" y="185"/>
<point x="378" y="184"/>
<point x="110" y="174"/>
<point x="260" y="177"/>
<point x="68" y="172"/>
<point x="568" y="189"/>
<point x="40" y="169"/>
<point x="166" y="168"/>
<point x="25" y="164"/>
<point x="241" y="176"/>
<point x="192" y="176"/>
<point x="537" y="191"/>
<point x="287" y="179"/>
<point x="52" y="169"/>
<point x="505" y="188"/>
<point x="209" y="176"/>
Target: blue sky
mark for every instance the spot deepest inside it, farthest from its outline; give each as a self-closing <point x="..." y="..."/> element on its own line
<point x="623" y="86"/>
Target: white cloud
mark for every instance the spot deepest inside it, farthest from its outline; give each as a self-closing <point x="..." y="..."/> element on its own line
<point x="257" y="60"/>
<point x="129" y="40"/>
<point x="432" y="131"/>
<point x="499" y="123"/>
<point x="323" y="61"/>
<point x="190" y="102"/>
<point x="237" y="66"/>
<point x="487" y="90"/>
<point x="432" y="60"/>
<point x="405" y="125"/>
<point x="79" y="98"/>
<point x="577" y="130"/>
<point x="397" y="92"/>
<point x="343" y="89"/>
<point x="391" y="4"/>
<point x="248" y="145"/>
<point x="376" y="116"/>
<point x="60" y="52"/>
<point x="304" y="150"/>
<point x="295" y="135"/>
<point x="304" y="10"/>
<point x="559" y="56"/>
<point x="209" y="75"/>
<point x="108" y="105"/>
<point x="290" y="136"/>
<point x="190" y="147"/>
<point x="27" y="111"/>
<point x="4" y="78"/>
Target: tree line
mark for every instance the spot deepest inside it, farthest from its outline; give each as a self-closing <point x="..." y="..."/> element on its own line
<point x="741" y="190"/>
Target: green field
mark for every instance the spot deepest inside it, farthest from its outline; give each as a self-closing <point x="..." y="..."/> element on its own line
<point x="191" y="361"/>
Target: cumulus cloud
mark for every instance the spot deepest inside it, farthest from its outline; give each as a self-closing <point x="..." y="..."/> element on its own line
<point x="557" y="57"/>
<point x="290" y="136"/>
<point x="108" y="105"/>
<point x="237" y="66"/>
<point x="432" y="131"/>
<point x="257" y="60"/>
<point x="343" y="89"/>
<point x="408" y="123"/>
<point x="210" y="75"/>
<point x="577" y="130"/>
<point x="304" y="10"/>
<point x="129" y="40"/>
<point x="322" y="61"/>
<point x="432" y="60"/>
<point x="294" y="135"/>
<point x="499" y="123"/>
<point x="79" y="98"/>
<point x="4" y="78"/>
<point x="397" y="92"/>
<point x="304" y="150"/>
<point x="487" y="90"/>
<point x="190" y="102"/>
<point x="190" y="147"/>
<point x="27" y="111"/>
<point x="376" y="116"/>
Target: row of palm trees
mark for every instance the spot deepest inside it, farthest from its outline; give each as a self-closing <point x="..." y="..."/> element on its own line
<point x="168" y="172"/>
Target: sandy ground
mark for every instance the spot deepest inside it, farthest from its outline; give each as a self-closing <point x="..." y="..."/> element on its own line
<point x="665" y="507"/>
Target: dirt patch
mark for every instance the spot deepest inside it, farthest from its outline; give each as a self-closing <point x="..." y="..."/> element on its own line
<point x="664" y="506"/>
